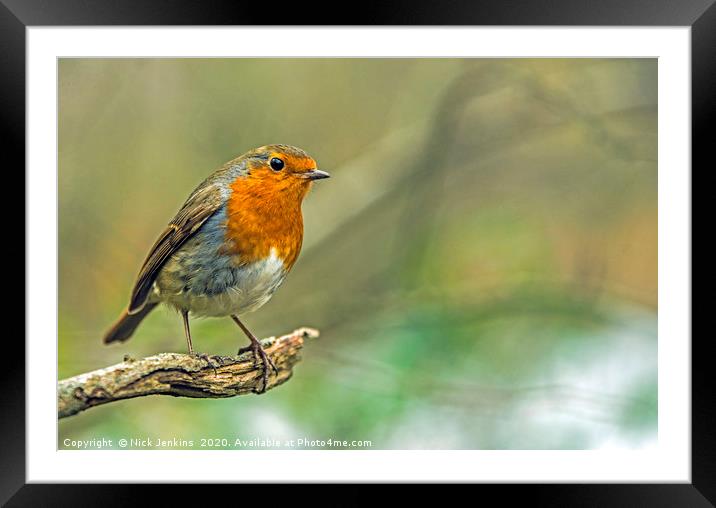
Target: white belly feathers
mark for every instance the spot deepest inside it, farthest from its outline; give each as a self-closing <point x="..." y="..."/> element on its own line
<point x="220" y="289"/>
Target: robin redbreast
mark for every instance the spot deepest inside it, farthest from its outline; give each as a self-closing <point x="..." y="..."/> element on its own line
<point x="230" y="246"/>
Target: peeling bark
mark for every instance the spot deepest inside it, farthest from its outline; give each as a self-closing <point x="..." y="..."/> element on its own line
<point x="181" y="375"/>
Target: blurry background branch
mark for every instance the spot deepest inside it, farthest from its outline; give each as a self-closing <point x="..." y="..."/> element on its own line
<point x="181" y="375"/>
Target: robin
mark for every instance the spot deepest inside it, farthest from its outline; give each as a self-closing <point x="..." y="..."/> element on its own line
<point x="230" y="246"/>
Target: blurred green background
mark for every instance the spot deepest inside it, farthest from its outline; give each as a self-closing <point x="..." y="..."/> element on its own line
<point x="482" y="265"/>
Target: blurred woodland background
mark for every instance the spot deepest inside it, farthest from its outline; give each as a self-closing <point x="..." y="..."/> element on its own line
<point x="482" y="265"/>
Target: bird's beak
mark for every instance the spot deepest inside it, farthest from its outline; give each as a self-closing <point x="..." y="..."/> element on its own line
<point x="315" y="174"/>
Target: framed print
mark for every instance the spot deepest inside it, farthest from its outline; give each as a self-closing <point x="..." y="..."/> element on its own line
<point x="441" y="245"/>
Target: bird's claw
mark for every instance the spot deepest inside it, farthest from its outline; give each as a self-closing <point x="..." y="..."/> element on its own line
<point x="258" y="352"/>
<point x="211" y="361"/>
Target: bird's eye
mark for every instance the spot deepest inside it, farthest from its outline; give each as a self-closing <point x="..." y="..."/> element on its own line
<point x="277" y="164"/>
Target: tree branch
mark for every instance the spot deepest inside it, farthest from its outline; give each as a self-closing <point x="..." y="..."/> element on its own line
<point x="181" y="375"/>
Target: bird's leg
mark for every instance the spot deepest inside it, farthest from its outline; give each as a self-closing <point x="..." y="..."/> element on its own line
<point x="187" y="332"/>
<point x="257" y="350"/>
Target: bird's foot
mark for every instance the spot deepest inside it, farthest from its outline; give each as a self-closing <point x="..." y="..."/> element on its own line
<point x="258" y="351"/>
<point x="211" y="361"/>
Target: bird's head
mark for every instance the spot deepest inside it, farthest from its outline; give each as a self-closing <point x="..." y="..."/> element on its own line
<point x="282" y="169"/>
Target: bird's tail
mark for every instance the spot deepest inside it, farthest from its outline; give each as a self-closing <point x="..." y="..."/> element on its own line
<point x="127" y="323"/>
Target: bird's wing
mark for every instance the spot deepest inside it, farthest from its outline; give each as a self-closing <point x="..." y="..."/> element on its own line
<point x="201" y="205"/>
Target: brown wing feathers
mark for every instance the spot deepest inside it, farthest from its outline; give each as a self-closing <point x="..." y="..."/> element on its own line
<point x="199" y="207"/>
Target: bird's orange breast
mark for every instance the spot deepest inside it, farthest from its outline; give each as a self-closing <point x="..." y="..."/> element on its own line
<point x="262" y="218"/>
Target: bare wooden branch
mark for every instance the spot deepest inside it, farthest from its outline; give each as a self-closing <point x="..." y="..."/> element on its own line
<point x="181" y="375"/>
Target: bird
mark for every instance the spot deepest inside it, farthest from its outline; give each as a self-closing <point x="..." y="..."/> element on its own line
<point x="229" y="247"/>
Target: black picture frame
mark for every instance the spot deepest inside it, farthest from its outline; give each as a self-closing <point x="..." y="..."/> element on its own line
<point x="16" y="15"/>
